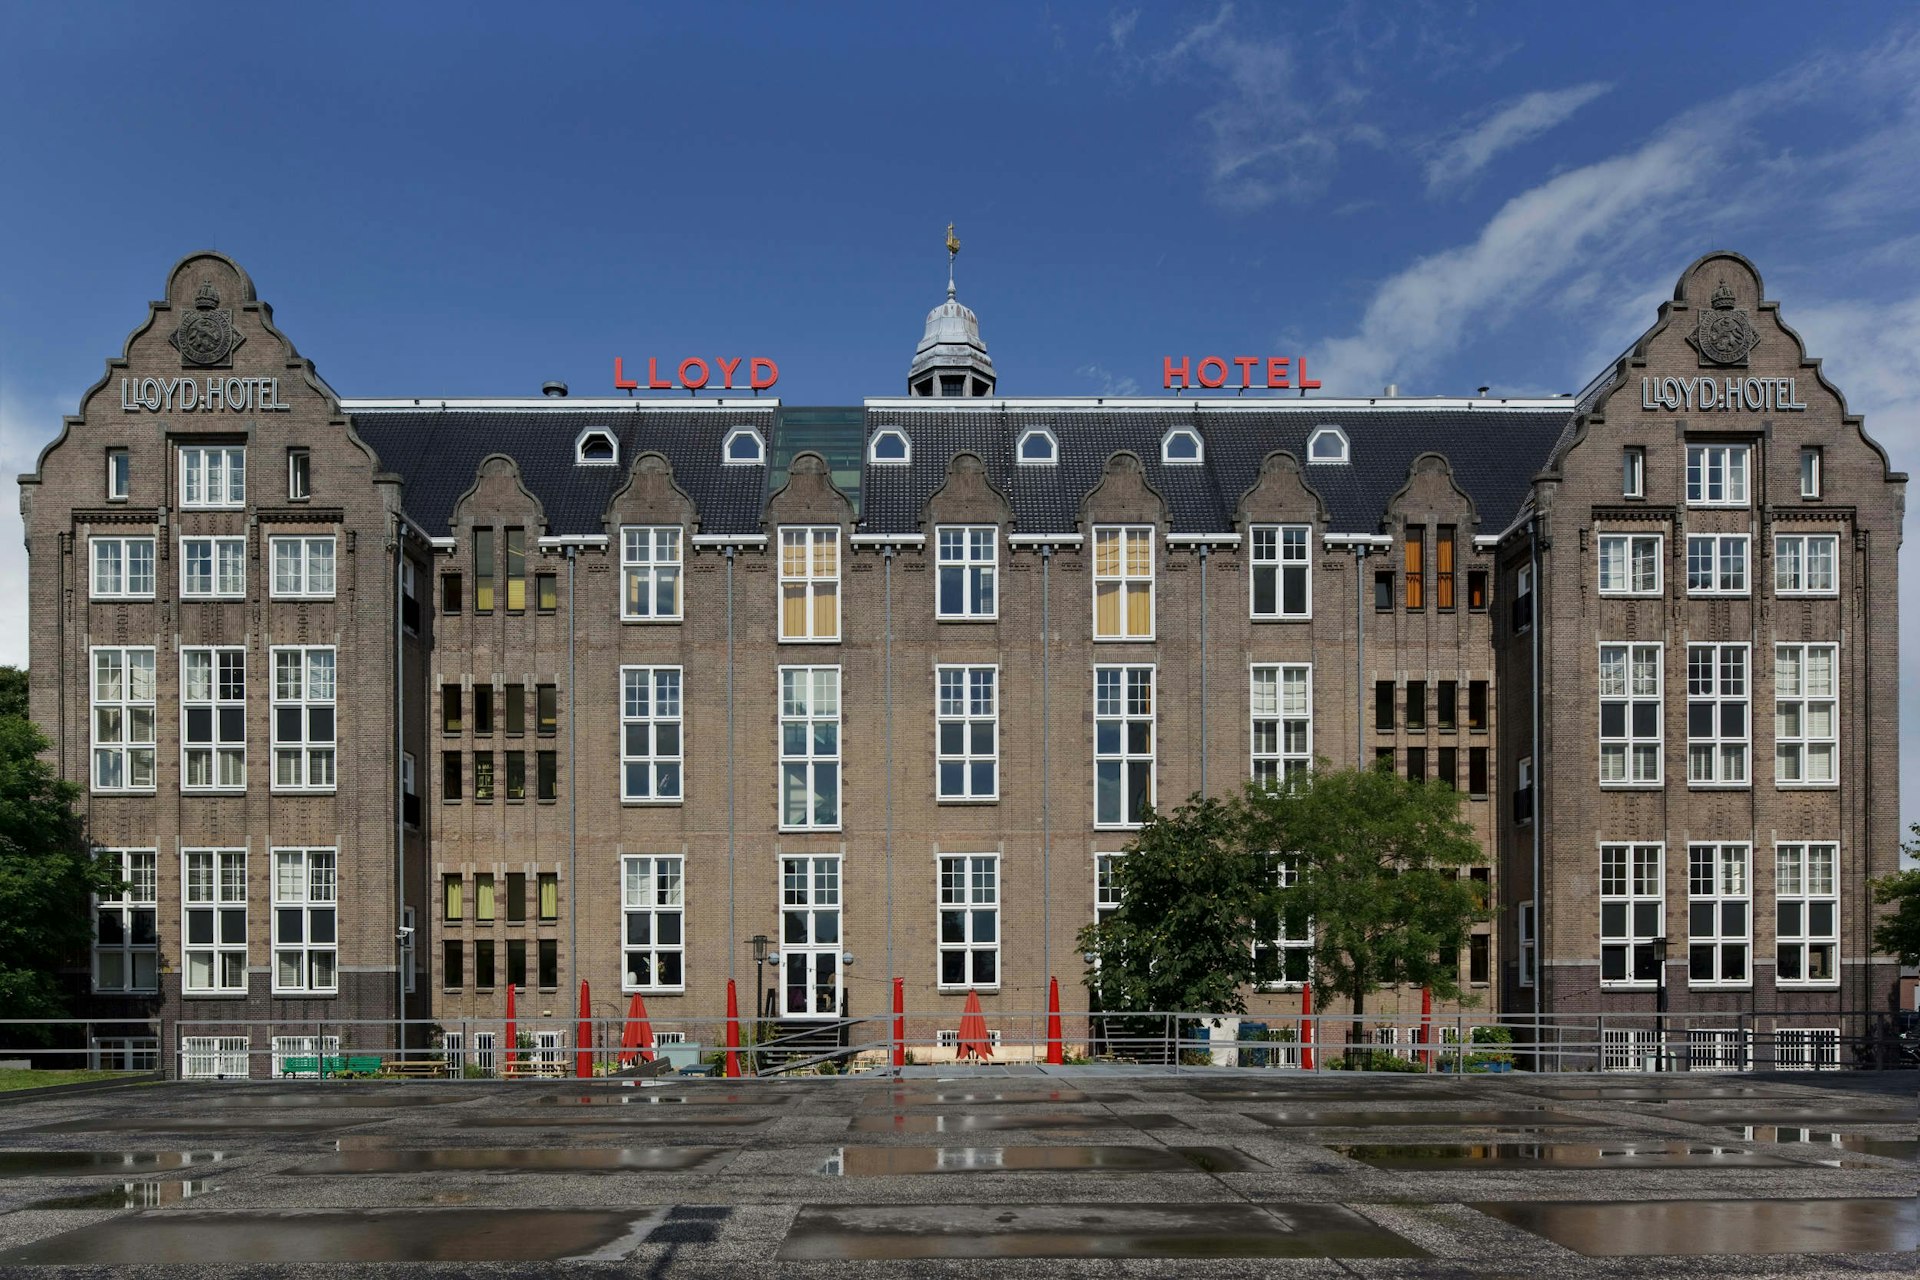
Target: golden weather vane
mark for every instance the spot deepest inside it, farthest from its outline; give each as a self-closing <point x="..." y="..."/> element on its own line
<point x="953" y="242"/>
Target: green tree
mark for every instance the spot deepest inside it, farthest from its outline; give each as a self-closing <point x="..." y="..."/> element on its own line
<point x="13" y="692"/>
<point x="1899" y="934"/>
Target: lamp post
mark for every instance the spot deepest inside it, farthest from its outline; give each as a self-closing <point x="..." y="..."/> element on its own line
<point x="1660" y="1006"/>
<point x="759" y="942"/>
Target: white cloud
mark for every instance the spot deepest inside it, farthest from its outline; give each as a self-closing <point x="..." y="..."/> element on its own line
<point x="1519" y="121"/>
<point x="1120" y="27"/>
<point x="1109" y="384"/>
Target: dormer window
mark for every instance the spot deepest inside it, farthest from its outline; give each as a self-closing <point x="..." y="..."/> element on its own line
<point x="1328" y="444"/>
<point x="1038" y="448"/>
<point x="1181" y="447"/>
<point x="596" y="447"/>
<point x="889" y="448"/>
<point x="743" y="448"/>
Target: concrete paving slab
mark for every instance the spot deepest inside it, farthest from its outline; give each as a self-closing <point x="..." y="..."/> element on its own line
<point x="1697" y="1227"/>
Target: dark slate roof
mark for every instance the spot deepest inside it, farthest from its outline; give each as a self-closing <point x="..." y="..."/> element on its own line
<point x="1494" y="450"/>
<point x="438" y="452"/>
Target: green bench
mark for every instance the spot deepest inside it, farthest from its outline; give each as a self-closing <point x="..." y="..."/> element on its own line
<point x="332" y="1065"/>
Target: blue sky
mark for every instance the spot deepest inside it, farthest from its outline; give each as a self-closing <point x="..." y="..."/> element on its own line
<point x="472" y="199"/>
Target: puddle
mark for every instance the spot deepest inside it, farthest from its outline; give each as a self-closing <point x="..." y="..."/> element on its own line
<point x="667" y="1117"/>
<point x="1649" y="1093"/>
<point x="1368" y="1118"/>
<point x="879" y="1162"/>
<point x="925" y="1123"/>
<point x="657" y="1100"/>
<point x="518" y="1160"/>
<point x="1562" y="1155"/>
<point x="932" y="1098"/>
<point x="1639" y="1228"/>
<point x="1890" y="1148"/>
<point x="1807" y="1117"/>
<point x="335" y="1095"/>
<point x="1310" y="1091"/>
<point x="54" y="1164"/>
<point x="224" y="1122"/>
<point x="1217" y="1230"/>
<point x="210" y="1237"/>
<point x="130" y="1195"/>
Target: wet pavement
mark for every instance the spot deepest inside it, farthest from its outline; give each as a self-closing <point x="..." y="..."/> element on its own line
<point x="1066" y="1172"/>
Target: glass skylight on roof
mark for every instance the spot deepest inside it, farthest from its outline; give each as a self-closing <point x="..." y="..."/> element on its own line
<point x="596" y="446"/>
<point x="889" y="448"/>
<point x="743" y="448"/>
<point x="1328" y="444"/>
<point x="1181" y="446"/>
<point x="1038" y="448"/>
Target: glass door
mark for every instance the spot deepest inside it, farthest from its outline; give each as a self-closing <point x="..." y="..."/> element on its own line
<point x="810" y="937"/>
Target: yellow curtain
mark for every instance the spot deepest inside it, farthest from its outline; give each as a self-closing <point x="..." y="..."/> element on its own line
<point x="826" y="619"/>
<point x="1139" y="554"/>
<point x="793" y="610"/>
<point x="793" y="553"/>
<point x="1139" y="609"/>
<point x="549" y="897"/>
<point x="483" y="897"/>
<point x="826" y="554"/>
<point x="1106" y="553"/>
<point x="455" y="907"/>
<point x="1106" y="609"/>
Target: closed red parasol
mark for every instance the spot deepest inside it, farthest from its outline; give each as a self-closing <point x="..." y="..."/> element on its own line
<point x="974" y="1041"/>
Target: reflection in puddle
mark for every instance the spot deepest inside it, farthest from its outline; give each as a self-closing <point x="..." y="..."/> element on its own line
<point x="1369" y="1118"/>
<point x="1811" y="1117"/>
<point x="657" y="1099"/>
<point x="864" y="1162"/>
<point x="1561" y="1155"/>
<point x="1693" y="1227"/>
<point x="664" y="1117"/>
<point x="229" y="1118"/>
<point x="935" y="1098"/>
<point x="925" y="1123"/>
<point x="49" y="1164"/>
<point x="130" y="1195"/>
<point x="515" y="1160"/>
<point x="1890" y="1148"/>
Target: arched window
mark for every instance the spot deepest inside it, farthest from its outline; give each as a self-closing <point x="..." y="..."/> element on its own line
<point x="743" y="448"/>
<point x="889" y="448"/>
<point x="1038" y="448"/>
<point x="1328" y="444"/>
<point x="1181" y="446"/>
<point x="596" y="447"/>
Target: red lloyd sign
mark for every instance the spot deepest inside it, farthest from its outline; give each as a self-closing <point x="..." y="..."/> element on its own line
<point x="695" y="373"/>
<point x="1211" y="371"/>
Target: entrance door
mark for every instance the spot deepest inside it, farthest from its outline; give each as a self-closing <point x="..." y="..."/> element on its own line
<point x="810" y="937"/>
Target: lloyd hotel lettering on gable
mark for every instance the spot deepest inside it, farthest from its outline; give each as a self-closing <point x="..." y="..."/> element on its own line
<point x="442" y="626"/>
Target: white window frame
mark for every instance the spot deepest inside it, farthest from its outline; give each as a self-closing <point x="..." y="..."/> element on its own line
<point x="653" y="742"/>
<point x="809" y="584"/>
<point x="802" y="763"/>
<point x="205" y="486"/>
<point x="215" y="1057"/>
<point x="812" y="933"/>
<point x="1115" y="707"/>
<point x="1641" y="910"/>
<point x="119" y="473"/>
<point x="313" y="560"/>
<point x="220" y="897"/>
<point x="653" y="890"/>
<point x="580" y="458"/>
<point x="1719" y="913"/>
<point x="316" y="760"/>
<point x="1126" y="581"/>
<point x="1806" y="717"/>
<point x="1325" y="432"/>
<point x="1719" y="564"/>
<point x="1526" y="939"/>
<point x="1286" y="872"/>
<point x="958" y="552"/>
<point x="225" y="705"/>
<point x="1280" y="719"/>
<point x="886" y="433"/>
<point x="1793" y="573"/>
<point x="652" y="556"/>
<point x="1280" y="552"/>
<point x="299" y="475"/>
<point x="1721" y="688"/>
<point x="1806" y="875"/>
<point x="1632" y="748"/>
<point x="1053" y="448"/>
<point x="138" y="902"/>
<point x="969" y="892"/>
<point x="129" y="707"/>
<point x="1811" y="462"/>
<point x="226" y="568"/>
<point x="1633" y="471"/>
<point x="1629" y="563"/>
<point x="306" y="889"/>
<point x="966" y="706"/>
<point x="1106" y="890"/>
<point x="759" y="458"/>
<point x="1721" y="469"/>
<point x="125" y="583"/>
<point x="1166" y="448"/>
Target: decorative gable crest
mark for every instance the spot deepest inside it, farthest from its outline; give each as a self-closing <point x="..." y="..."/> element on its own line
<point x="206" y="337"/>
<point x="1725" y="334"/>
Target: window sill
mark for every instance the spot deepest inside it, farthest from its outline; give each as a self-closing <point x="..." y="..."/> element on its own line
<point x="1718" y="986"/>
<point x="631" y="802"/>
<point x="802" y="831"/>
<point x="1124" y="639"/>
<point x="961" y="990"/>
<point x="306" y="995"/>
<point x="1629" y="986"/>
<point x="654" y="991"/>
<point x="1807" y="986"/>
<point x="213" y="791"/>
<point x="303" y="791"/>
<point x="1806" y="595"/>
<point x="966" y="617"/>
<point x="1637" y="595"/>
<point x="1806" y="786"/>
<point x="1280" y="617"/>
<point x="123" y="791"/>
<point x="120" y="599"/>
<point x="1632" y="786"/>
<point x="967" y="800"/>
<point x="1719" y="786"/>
<point x="213" y="995"/>
<point x="814" y="640"/>
<point x="644" y="622"/>
<point x="1119" y="826"/>
<point x="297" y="600"/>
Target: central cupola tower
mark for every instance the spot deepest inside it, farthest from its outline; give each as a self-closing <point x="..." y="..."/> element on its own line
<point x="951" y="360"/>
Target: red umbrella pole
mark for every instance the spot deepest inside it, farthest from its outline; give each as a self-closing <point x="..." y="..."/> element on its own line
<point x="1055" y="1053"/>
<point x="733" y="1031"/>
<point x="513" y="1034"/>
<point x="583" y="1037"/>
<point x="1426" y="1026"/>
<point x="1306" y="1026"/>
<point x="899" y="1022"/>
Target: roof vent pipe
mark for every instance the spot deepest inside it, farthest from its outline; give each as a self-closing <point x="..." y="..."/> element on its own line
<point x="1483" y="392"/>
<point x="1391" y="389"/>
<point x="558" y="390"/>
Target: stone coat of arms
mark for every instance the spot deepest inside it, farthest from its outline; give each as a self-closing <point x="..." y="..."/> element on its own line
<point x="1725" y="334"/>
<point x="206" y="336"/>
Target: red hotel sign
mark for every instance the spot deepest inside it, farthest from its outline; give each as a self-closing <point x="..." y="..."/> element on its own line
<point x="695" y="373"/>
<point x="1211" y="371"/>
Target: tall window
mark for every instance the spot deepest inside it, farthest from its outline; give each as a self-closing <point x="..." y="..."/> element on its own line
<point x="970" y="921"/>
<point x="214" y="900"/>
<point x="1810" y="471"/>
<point x="968" y="555"/>
<point x="1416" y="706"/>
<point x="546" y="710"/>
<point x="213" y="477"/>
<point x="213" y="567"/>
<point x="1717" y="475"/>
<point x="650" y="573"/>
<point x="547" y="886"/>
<point x="1717" y="564"/>
<point x="653" y="907"/>
<point x="1282" y="720"/>
<point x="305" y="926"/>
<point x="1446" y="706"/>
<point x="1385" y="712"/>
<point x="1106" y="888"/>
<point x="810" y="935"/>
<point x="119" y="475"/>
<point x="1416" y="570"/>
<point x="483" y="571"/>
<point x="1283" y="946"/>
<point x="809" y="748"/>
<point x="1282" y="577"/>
<point x="1630" y="564"/>
<point x="1477" y="705"/>
<point x="303" y="568"/>
<point x="304" y="732"/>
<point x="1443" y="553"/>
<point x="1806" y="717"/>
<point x="1524" y="928"/>
<point x="123" y="719"/>
<point x="516" y="547"/>
<point x="126" y="938"/>
<point x="1123" y="751"/>
<point x="213" y="731"/>
<point x="1633" y="472"/>
<point x="810" y="583"/>
<point x="122" y="568"/>
<point x="1804" y="564"/>
<point x="1632" y="914"/>
<point x="483" y="776"/>
<point x="1123" y="582"/>
<point x="1807" y="924"/>
<point x="969" y="732"/>
<point x="299" y="475"/>
<point x="650" y="746"/>
<point x="1523" y="598"/>
<point x="1630" y="717"/>
<point x="1717" y="712"/>
<point x="1719" y="916"/>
